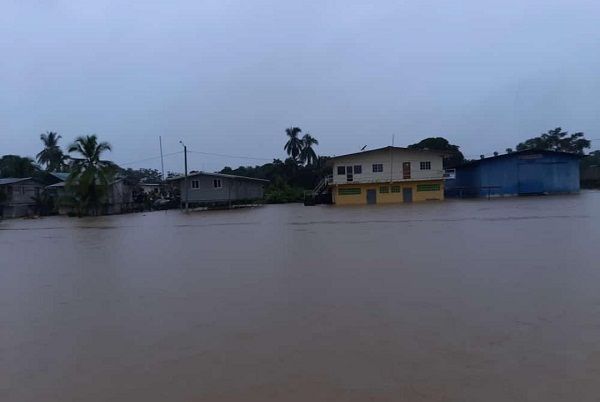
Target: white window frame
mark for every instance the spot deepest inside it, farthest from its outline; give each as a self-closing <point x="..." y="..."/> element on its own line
<point x="197" y="186"/>
<point x="219" y="182"/>
<point x="425" y="165"/>
<point x="377" y="167"/>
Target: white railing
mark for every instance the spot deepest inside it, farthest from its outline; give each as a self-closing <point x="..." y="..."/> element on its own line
<point x="449" y="174"/>
<point x="323" y="185"/>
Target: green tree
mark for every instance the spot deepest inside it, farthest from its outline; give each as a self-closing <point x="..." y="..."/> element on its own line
<point x="307" y="153"/>
<point x="454" y="156"/>
<point x="90" y="174"/>
<point x="51" y="156"/>
<point x="293" y="146"/>
<point x="17" y="166"/>
<point x="557" y="140"/>
<point x="143" y="175"/>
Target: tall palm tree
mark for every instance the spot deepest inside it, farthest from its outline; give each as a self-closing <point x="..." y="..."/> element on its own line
<point x="51" y="156"/>
<point x="294" y="145"/>
<point x="90" y="175"/>
<point x="308" y="155"/>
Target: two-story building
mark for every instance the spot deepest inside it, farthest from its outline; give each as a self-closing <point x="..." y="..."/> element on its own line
<point x="386" y="176"/>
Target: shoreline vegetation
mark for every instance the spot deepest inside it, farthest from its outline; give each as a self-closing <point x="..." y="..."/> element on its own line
<point x="89" y="173"/>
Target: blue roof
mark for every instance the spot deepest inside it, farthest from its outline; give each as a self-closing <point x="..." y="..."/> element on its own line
<point x="60" y="176"/>
<point x="517" y="153"/>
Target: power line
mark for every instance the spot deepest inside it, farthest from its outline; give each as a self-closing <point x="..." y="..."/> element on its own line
<point x="150" y="159"/>
<point x="231" y="156"/>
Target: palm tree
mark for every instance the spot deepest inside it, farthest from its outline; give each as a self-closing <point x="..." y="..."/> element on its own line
<point x="90" y="175"/>
<point x="294" y="145"/>
<point x="308" y="155"/>
<point x="51" y="156"/>
<point x="17" y="166"/>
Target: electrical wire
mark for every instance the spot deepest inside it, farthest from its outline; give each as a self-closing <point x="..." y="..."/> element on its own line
<point x="230" y="156"/>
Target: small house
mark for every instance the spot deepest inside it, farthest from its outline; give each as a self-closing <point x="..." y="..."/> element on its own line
<point x="120" y="198"/>
<point x="386" y="176"/>
<point x="18" y="196"/>
<point x="201" y="188"/>
<point x="526" y="172"/>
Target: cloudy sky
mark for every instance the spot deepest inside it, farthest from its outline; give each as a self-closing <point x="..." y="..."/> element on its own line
<point x="227" y="77"/>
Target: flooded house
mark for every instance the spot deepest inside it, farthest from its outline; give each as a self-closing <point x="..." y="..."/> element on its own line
<point x="386" y="175"/>
<point x="17" y="196"/>
<point x="205" y="188"/>
<point x="529" y="172"/>
<point x="120" y="197"/>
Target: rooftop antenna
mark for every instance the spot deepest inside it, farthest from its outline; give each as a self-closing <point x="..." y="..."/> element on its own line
<point x="363" y="148"/>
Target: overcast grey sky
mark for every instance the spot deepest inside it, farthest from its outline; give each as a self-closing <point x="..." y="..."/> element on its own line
<point x="228" y="77"/>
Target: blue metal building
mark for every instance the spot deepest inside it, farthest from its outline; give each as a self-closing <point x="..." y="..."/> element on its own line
<point x="517" y="173"/>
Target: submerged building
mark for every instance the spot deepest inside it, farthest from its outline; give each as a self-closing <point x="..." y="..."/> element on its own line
<point x="526" y="172"/>
<point x="385" y="176"/>
<point x="216" y="188"/>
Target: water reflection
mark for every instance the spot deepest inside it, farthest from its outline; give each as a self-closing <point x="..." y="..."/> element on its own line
<point x="471" y="300"/>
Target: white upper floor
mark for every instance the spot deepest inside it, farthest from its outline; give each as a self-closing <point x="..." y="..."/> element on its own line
<point x="389" y="164"/>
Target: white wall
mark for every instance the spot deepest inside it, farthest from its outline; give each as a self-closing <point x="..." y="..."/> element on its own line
<point x="391" y="161"/>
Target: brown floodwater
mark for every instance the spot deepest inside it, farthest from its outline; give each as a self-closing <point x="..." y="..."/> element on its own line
<point x="448" y="301"/>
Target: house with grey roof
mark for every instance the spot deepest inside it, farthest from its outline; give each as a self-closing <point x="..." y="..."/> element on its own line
<point x="202" y="188"/>
<point x="17" y="199"/>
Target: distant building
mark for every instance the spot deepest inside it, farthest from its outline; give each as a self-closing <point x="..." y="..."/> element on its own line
<point x="19" y="196"/>
<point x="517" y="173"/>
<point x="206" y="188"/>
<point x="150" y="188"/>
<point x="120" y="198"/>
<point x="385" y="176"/>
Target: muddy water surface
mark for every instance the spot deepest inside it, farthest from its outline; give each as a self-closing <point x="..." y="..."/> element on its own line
<point x="456" y="301"/>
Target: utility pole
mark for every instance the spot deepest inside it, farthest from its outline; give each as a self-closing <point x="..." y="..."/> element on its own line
<point x="162" y="163"/>
<point x="185" y="179"/>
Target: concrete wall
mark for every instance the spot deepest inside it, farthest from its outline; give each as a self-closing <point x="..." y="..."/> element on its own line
<point x="232" y="189"/>
<point x="389" y="197"/>
<point x="392" y="162"/>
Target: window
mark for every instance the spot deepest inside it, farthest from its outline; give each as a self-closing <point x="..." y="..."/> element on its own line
<point x="349" y="191"/>
<point x="217" y="183"/>
<point x="425" y="165"/>
<point x="384" y="190"/>
<point x="428" y="187"/>
<point x="377" y="168"/>
<point x="195" y="184"/>
<point x="357" y="169"/>
<point x="395" y="189"/>
<point x="349" y="175"/>
<point x="341" y="169"/>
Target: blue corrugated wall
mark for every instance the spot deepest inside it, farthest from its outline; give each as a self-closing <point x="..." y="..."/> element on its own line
<point x="534" y="173"/>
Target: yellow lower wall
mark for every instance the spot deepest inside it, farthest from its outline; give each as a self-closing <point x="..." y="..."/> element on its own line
<point x="386" y="198"/>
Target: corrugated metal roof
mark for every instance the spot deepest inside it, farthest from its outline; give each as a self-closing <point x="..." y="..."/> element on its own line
<point x="11" y="180"/>
<point x="226" y="176"/>
<point x="517" y="153"/>
<point x="60" y="175"/>
<point x="388" y="148"/>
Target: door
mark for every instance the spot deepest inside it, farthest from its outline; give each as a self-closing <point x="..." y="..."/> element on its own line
<point x="531" y="178"/>
<point x="407" y="194"/>
<point x="406" y="170"/>
<point x="371" y="197"/>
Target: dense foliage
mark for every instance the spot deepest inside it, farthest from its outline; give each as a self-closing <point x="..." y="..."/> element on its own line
<point x="453" y="158"/>
<point x="557" y="140"/>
